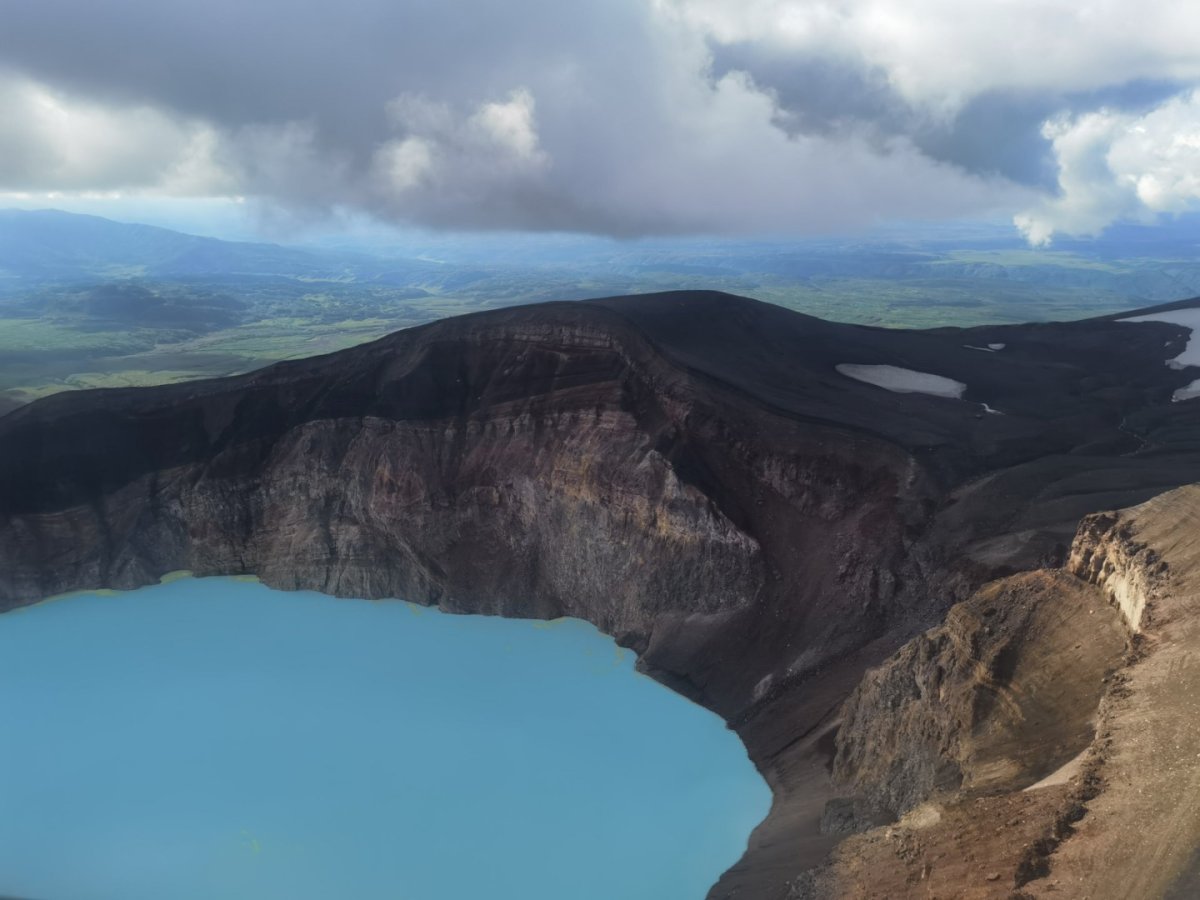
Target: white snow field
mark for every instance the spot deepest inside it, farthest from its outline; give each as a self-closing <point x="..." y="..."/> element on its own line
<point x="990" y="348"/>
<point x="1188" y="318"/>
<point x="904" y="381"/>
<point x="1188" y="392"/>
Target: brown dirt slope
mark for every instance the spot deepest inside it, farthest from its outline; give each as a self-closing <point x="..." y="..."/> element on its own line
<point x="969" y="850"/>
<point x="995" y="699"/>
<point x="1121" y="821"/>
<point x="1140" y="836"/>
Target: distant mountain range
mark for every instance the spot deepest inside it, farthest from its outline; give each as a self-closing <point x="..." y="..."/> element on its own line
<point x="875" y="279"/>
<point x="89" y="302"/>
<point x="54" y="246"/>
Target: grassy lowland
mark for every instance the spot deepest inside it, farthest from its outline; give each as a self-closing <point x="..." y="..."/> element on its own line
<point x="86" y="302"/>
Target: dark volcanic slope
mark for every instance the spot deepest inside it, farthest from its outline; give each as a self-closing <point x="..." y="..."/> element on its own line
<point x="686" y="470"/>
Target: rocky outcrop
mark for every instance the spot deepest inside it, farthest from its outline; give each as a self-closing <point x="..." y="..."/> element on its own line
<point x="1131" y="574"/>
<point x="999" y="696"/>
<point x="955" y="732"/>
<point x="1140" y="834"/>
<point x="687" y="471"/>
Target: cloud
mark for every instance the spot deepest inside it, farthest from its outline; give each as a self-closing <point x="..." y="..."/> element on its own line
<point x="510" y="124"/>
<point x="970" y="90"/>
<point x="1115" y="166"/>
<point x="52" y="141"/>
<point x="996" y="133"/>
<point x="938" y="55"/>
<point x="615" y="116"/>
<point x="444" y="164"/>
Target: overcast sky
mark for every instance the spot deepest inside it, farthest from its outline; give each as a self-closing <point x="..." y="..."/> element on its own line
<point x="620" y="117"/>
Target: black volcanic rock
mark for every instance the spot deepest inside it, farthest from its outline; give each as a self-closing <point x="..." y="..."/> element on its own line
<point x="688" y="471"/>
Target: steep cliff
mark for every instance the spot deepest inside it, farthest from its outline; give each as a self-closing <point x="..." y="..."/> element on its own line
<point x="957" y="730"/>
<point x="521" y="464"/>
<point x="689" y="471"/>
<point x="1141" y="834"/>
<point x="999" y="696"/>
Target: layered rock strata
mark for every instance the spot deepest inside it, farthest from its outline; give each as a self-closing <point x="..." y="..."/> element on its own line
<point x="1053" y="751"/>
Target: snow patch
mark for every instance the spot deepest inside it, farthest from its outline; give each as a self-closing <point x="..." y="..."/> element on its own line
<point x="1064" y="773"/>
<point x="1187" y="393"/>
<point x="990" y="348"/>
<point x="1188" y="318"/>
<point x="904" y="381"/>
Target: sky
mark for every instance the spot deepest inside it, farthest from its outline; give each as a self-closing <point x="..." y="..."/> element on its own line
<point x="619" y="118"/>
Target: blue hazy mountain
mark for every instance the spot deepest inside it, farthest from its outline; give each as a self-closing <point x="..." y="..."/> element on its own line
<point x="50" y="245"/>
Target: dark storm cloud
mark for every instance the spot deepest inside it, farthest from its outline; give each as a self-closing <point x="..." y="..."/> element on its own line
<point x="244" y="63"/>
<point x="1001" y="131"/>
<point x="616" y="116"/>
<point x="994" y="133"/>
<point x="601" y="115"/>
<point x="815" y="93"/>
<point x="300" y="91"/>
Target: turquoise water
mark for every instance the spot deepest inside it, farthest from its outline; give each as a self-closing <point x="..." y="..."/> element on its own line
<point x="214" y="739"/>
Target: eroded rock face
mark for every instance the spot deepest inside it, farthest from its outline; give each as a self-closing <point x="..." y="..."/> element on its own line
<point x="1141" y="832"/>
<point x="1130" y="573"/>
<point x="562" y="469"/>
<point x="1001" y="695"/>
<point x="999" y="707"/>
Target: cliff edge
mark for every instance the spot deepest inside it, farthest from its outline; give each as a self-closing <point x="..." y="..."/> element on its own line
<point x="1045" y="740"/>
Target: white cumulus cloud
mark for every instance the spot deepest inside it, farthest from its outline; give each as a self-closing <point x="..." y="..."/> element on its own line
<point x="53" y="141"/>
<point x="941" y="52"/>
<point x="511" y="124"/>
<point x="1114" y="166"/>
<point x="444" y="160"/>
